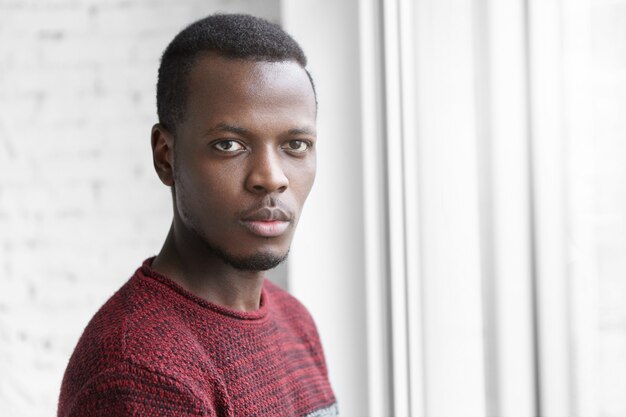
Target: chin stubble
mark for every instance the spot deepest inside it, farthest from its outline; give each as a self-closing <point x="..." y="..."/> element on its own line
<point x="258" y="262"/>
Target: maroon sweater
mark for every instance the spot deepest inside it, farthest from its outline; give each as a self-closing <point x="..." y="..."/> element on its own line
<point x="154" y="349"/>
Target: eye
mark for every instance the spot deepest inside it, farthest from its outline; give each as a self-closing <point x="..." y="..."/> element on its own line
<point x="297" y="146"/>
<point x="228" y="146"/>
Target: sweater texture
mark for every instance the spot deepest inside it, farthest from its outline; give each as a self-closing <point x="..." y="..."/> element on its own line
<point x="155" y="349"/>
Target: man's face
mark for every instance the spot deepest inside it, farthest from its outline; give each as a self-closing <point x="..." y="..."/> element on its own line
<point x="245" y="157"/>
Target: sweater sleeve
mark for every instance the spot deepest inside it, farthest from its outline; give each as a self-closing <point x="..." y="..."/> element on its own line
<point x="132" y="391"/>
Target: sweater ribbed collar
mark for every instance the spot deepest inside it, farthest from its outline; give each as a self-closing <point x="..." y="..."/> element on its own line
<point x="147" y="271"/>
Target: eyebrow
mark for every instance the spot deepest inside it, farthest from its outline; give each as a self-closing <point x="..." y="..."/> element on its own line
<point x="228" y="128"/>
<point x="302" y="131"/>
<point x="224" y="127"/>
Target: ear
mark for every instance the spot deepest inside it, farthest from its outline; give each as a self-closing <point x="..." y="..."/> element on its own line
<point x="163" y="154"/>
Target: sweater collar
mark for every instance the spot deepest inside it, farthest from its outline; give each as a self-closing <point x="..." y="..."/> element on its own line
<point x="147" y="271"/>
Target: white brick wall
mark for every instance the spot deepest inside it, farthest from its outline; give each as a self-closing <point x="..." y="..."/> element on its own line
<point x="80" y="205"/>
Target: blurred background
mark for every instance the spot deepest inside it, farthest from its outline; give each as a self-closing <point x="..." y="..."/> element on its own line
<point x="463" y="250"/>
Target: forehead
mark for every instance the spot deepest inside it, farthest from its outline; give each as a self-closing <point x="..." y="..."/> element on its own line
<point x="218" y="86"/>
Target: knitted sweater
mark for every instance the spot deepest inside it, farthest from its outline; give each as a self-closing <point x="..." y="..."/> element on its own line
<point x="154" y="349"/>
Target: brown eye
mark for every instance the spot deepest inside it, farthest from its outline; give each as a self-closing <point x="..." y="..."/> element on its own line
<point x="228" y="146"/>
<point x="297" y="146"/>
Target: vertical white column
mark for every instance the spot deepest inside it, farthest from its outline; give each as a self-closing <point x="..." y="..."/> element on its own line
<point x="549" y="187"/>
<point x="506" y="212"/>
<point x="580" y="165"/>
<point x="395" y="193"/>
<point x="380" y="355"/>
<point x="412" y="205"/>
<point x="449" y="217"/>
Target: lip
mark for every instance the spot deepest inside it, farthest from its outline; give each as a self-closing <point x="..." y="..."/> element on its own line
<point x="267" y="221"/>
<point x="266" y="228"/>
<point x="267" y="214"/>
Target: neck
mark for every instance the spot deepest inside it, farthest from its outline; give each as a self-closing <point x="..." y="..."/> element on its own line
<point x="186" y="260"/>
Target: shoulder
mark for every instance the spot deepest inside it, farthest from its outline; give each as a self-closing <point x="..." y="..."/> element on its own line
<point x="134" y="316"/>
<point x="128" y="389"/>
<point x="292" y="316"/>
<point x="139" y="334"/>
<point x="283" y="303"/>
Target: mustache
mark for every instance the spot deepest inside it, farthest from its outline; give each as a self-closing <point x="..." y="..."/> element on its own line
<point x="267" y="210"/>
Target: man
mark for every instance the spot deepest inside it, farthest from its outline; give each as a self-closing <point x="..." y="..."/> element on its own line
<point x="197" y="330"/>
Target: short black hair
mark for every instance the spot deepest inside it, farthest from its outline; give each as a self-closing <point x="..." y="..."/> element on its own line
<point x="229" y="35"/>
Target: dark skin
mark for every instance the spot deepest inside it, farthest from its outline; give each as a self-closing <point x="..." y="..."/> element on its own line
<point x="241" y="165"/>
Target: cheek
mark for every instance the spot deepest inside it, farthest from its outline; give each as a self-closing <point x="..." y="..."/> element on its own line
<point x="200" y="192"/>
<point x="304" y="177"/>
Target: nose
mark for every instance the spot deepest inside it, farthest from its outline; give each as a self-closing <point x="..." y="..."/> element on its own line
<point x="266" y="174"/>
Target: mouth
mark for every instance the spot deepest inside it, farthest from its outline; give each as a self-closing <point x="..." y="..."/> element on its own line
<point x="267" y="222"/>
<point x="266" y="228"/>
